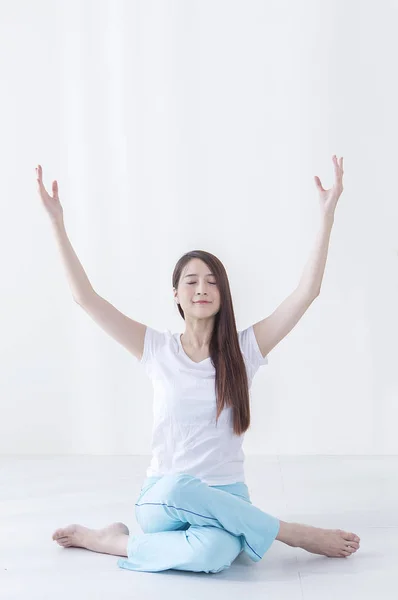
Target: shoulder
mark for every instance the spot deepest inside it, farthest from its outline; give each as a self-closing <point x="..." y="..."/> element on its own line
<point x="250" y="347"/>
<point x="154" y="340"/>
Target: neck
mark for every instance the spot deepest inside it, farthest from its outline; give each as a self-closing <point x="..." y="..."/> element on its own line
<point x="197" y="339"/>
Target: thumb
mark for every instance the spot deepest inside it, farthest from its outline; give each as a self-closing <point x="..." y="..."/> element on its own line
<point x="318" y="184"/>
<point x="55" y="189"/>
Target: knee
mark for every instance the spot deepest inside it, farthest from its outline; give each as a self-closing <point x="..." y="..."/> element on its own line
<point x="220" y="554"/>
<point x="214" y="547"/>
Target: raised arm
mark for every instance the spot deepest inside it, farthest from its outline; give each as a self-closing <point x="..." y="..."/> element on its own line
<point x="271" y="330"/>
<point x="126" y="331"/>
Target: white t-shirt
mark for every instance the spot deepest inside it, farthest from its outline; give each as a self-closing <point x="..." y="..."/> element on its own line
<point x="185" y="438"/>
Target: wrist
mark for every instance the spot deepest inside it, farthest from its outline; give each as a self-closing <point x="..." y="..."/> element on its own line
<point x="57" y="222"/>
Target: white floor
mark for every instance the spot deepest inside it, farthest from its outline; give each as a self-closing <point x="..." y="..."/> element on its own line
<point x="40" y="494"/>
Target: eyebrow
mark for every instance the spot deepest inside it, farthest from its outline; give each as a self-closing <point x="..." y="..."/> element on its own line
<point x="195" y="275"/>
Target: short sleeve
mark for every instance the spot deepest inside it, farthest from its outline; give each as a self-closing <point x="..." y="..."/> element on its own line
<point x="250" y="348"/>
<point x="153" y="341"/>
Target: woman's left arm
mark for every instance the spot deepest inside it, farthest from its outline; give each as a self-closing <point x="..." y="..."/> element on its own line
<point x="271" y="330"/>
<point x="311" y="280"/>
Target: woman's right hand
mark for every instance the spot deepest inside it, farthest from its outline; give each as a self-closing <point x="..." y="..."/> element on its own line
<point x="50" y="203"/>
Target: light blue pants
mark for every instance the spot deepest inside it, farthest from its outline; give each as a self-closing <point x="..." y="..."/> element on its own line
<point x="191" y="526"/>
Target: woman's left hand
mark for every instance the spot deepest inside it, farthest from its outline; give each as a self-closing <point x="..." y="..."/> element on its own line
<point x="328" y="198"/>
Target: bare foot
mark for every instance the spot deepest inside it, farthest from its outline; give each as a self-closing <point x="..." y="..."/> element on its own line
<point x="329" y="542"/>
<point x="92" y="539"/>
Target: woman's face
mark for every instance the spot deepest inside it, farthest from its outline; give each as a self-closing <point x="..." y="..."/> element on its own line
<point x="198" y="283"/>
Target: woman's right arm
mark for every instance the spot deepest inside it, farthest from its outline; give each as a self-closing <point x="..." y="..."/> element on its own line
<point x="126" y="331"/>
<point x="79" y="283"/>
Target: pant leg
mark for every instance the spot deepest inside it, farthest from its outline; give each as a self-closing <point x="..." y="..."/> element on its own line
<point x="187" y="499"/>
<point x="173" y="505"/>
<point x="199" y="548"/>
<point x="168" y="543"/>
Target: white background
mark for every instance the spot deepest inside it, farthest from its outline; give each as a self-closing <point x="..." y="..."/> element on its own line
<point x="181" y="125"/>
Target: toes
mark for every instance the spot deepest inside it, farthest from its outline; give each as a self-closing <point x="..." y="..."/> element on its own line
<point x="65" y="531"/>
<point x="350" y="537"/>
<point x="58" y="534"/>
<point x="353" y="547"/>
<point x="62" y="542"/>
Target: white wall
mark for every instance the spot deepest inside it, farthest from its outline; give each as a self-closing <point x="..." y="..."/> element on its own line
<point x="173" y="126"/>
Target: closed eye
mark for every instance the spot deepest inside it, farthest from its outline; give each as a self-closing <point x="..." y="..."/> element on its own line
<point x="211" y="282"/>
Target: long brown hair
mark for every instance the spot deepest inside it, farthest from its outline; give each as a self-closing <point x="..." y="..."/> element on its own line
<point x="231" y="377"/>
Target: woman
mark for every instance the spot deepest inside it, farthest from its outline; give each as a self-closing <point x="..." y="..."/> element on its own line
<point x="194" y="507"/>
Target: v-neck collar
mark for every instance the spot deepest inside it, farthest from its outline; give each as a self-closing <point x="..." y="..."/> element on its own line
<point x="186" y="355"/>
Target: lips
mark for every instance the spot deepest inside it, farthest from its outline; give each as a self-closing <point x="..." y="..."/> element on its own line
<point x="202" y="302"/>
